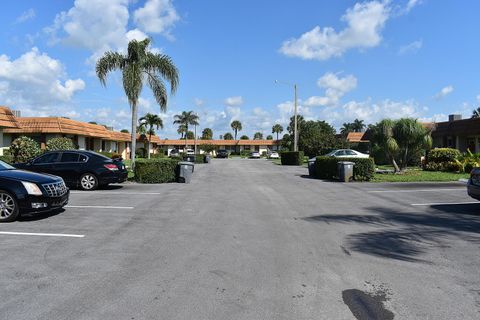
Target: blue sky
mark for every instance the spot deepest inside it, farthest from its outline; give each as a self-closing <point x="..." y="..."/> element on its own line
<point x="350" y="59"/>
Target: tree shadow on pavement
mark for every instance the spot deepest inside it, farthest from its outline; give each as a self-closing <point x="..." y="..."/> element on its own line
<point x="407" y="235"/>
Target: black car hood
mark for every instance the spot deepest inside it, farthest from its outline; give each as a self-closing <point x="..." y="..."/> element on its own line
<point x="28" y="176"/>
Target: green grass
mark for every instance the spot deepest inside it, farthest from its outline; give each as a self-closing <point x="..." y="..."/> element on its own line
<point x="418" y="175"/>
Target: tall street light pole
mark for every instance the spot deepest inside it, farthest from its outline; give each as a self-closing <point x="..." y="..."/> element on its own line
<point x="295" y="113"/>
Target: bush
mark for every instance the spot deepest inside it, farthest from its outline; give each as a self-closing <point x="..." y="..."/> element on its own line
<point x="155" y="170"/>
<point x="24" y="149"/>
<point x="245" y="153"/>
<point x="63" y="143"/>
<point x="443" y="159"/>
<point x="200" y="158"/>
<point x="326" y="168"/>
<point x="292" y="158"/>
<point x="7" y="156"/>
<point x="159" y="155"/>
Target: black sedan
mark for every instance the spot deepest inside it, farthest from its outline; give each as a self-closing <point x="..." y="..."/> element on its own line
<point x="222" y="153"/>
<point x="473" y="187"/>
<point x="29" y="192"/>
<point x="78" y="168"/>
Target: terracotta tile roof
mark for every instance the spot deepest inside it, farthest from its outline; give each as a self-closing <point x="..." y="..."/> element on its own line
<point x="178" y="142"/>
<point x="7" y="119"/>
<point x="356" y="137"/>
<point x="153" y="139"/>
<point x="120" y="136"/>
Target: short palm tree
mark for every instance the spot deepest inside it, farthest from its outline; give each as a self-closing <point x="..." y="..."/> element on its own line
<point x="236" y="126"/>
<point x="228" y="136"/>
<point x="346" y="128"/>
<point x="277" y="129"/>
<point x="138" y="66"/>
<point x="258" y="136"/>
<point x="181" y="130"/>
<point x="358" y="125"/>
<point x="186" y="118"/>
<point x="149" y="122"/>
<point x="476" y="113"/>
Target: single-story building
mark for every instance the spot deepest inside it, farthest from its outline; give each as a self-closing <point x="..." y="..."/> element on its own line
<point x="230" y="145"/>
<point x="458" y="133"/>
<point x="7" y="121"/>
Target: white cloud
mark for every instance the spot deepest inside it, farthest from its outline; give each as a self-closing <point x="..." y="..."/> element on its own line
<point x="198" y="102"/>
<point x="25" y="16"/>
<point x="365" y="22"/>
<point x="234" y="101"/>
<point x="286" y="110"/>
<point x="411" y="4"/>
<point x="411" y="47"/>
<point x="157" y="16"/>
<point x="478" y="98"/>
<point x="444" y="92"/>
<point x="35" y="80"/>
<point x="335" y="88"/>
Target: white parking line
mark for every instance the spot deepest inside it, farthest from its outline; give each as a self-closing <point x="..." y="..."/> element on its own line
<point x="115" y="193"/>
<point x="443" y="203"/>
<point x="100" y="207"/>
<point x="417" y="190"/>
<point x="43" y="234"/>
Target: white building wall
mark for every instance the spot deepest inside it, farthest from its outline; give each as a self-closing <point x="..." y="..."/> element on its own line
<point x="81" y="143"/>
<point x="1" y="142"/>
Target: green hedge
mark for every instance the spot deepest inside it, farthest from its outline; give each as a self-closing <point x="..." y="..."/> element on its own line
<point x="444" y="159"/>
<point x="326" y="168"/>
<point x="292" y="158"/>
<point x="200" y="158"/>
<point x="155" y="170"/>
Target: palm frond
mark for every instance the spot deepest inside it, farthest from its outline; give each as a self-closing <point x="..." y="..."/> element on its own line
<point x="162" y="64"/>
<point x="158" y="89"/>
<point x="109" y="62"/>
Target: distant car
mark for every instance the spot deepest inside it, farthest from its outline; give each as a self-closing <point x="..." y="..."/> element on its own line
<point x="190" y="152"/>
<point x="174" y="153"/>
<point x="78" y="168"/>
<point x="473" y="186"/>
<point x="274" y="155"/>
<point x="255" y="155"/>
<point x="222" y="153"/>
<point x="347" y="153"/>
<point x="28" y="192"/>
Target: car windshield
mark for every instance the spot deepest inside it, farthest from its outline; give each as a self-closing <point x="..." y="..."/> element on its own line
<point x="331" y="153"/>
<point x="5" y="166"/>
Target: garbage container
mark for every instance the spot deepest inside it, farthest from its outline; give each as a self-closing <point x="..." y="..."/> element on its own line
<point x="185" y="171"/>
<point x="311" y="167"/>
<point x="345" y="170"/>
<point x="207" y="158"/>
<point x="189" y="158"/>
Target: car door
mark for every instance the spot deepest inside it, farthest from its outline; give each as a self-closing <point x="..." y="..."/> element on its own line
<point x="351" y="154"/>
<point x="45" y="163"/>
<point x="68" y="167"/>
<point x="340" y="154"/>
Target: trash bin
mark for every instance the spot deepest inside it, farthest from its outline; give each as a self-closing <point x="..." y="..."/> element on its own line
<point x="207" y="158"/>
<point x="311" y="167"/>
<point x="185" y="171"/>
<point x="345" y="171"/>
<point x="189" y="158"/>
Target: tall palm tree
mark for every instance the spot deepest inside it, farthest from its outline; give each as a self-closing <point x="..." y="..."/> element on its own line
<point x="358" y="125"/>
<point x="277" y="129"/>
<point x="347" y="128"/>
<point x="181" y="130"/>
<point x="150" y="121"/>
<point x="138" y="66"/>
<point x="236" y="126"/>
<point x="186" y="118"/>
<point x="476" y="113"/>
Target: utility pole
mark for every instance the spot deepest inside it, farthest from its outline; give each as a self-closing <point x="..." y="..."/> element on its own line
<point x="295" y="140"/>
<point x="195" y="139"/>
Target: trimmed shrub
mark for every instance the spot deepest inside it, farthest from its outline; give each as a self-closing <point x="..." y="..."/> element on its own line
<point x="24" y="149"/>
<point x="7" y="156"/>
<point x="159" y="155"/>
<point x="292" y="158"/>
<point x="155" y="170"/>
<point x="200" y="158"/>
<point x="443" y="159"/>
<point x="326" y="168"/>
<point x="245" y="153"/>
<point x="57" y="144"/>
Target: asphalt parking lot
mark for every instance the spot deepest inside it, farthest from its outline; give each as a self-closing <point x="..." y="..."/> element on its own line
<point x="247" y="239"/>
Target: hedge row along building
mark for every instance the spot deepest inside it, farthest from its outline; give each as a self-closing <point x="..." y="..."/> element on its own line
<point x="87" y="136"/>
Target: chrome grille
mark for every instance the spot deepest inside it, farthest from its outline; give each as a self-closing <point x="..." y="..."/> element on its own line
<point x="56" y="189"/>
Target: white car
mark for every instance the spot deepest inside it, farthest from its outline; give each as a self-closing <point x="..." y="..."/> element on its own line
<point x="190" y="152"/>
<point x="255" y="155"/>
<point x="274" y="155"/>
<point x="347" y="153"/>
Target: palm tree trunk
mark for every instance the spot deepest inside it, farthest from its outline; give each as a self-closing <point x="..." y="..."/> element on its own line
<point x="148" y="143"/>
<point x="236" y="142"/>
<point x="395" y="165"/>
<point x="186" y="136"/>
<point x="134" y="133"/>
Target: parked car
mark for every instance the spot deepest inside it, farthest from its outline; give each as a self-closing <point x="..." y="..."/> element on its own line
<point x="222" y="153"/>
<point x="473" y="186"/>
<point x="255" y="155"/>
<point x="79" y="169"/>
<point x="28" y="192"/>
<point x="174" y="153"/>
<point x="347" y="153"/>
<point x="190" y="152"/>
<point x="274" y="155"/>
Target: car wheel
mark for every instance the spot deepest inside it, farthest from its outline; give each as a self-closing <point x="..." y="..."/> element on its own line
<point x="9" y="210"/>
<point x="88" y="182"/>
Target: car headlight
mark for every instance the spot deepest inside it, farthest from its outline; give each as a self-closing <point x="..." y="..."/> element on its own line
<point x="32" y="188"/>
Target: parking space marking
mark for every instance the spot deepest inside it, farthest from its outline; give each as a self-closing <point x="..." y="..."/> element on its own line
<point x="120" y="193"/>
<point x="43" y="234"/>
<point x="100" y="207"/>
<point x="417" y="190"/>
<point x="444" y="203"/>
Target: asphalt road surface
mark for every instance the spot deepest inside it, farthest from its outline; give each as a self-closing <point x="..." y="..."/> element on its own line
<point x="247" y="239"/>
